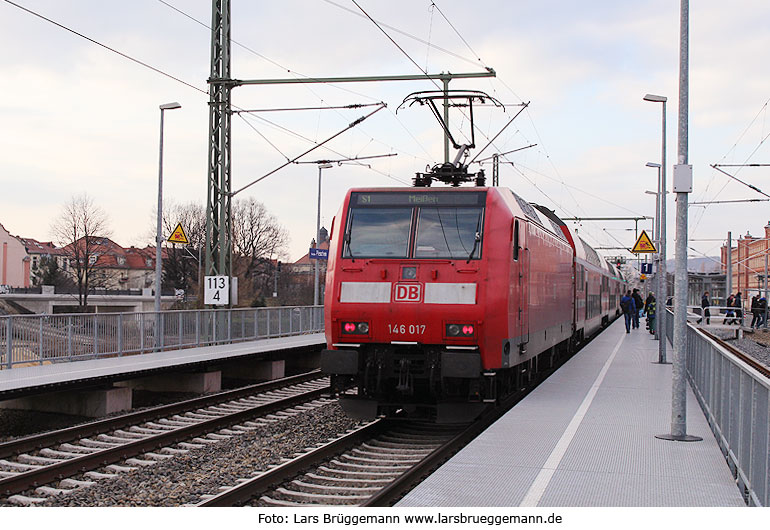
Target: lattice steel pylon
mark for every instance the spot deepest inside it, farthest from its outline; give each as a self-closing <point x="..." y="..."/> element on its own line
<point x="218" y="202"/>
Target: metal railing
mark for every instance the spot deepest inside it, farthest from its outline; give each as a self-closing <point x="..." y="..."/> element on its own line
<point x="39" y="339"/>
<point x="736" y="401"/>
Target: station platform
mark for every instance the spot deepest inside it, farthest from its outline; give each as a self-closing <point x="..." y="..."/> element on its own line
<point x="586" y="438"/>
<point x="31" y="379"/>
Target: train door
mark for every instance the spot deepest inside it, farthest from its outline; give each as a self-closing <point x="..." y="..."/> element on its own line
<point x="521" y="256"/>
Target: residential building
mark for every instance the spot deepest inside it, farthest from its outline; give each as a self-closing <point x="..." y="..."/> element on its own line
<point x="14" y="261"/>
<point x="37" y="250"/>
<point x="116" y="267"/>
<point x="749" y="262"/>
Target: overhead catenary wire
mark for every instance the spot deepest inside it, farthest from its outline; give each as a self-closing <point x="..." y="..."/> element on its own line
<point x="335" y="135"/>
<point x="113" y="50"/>
<point x="307" y="87"/>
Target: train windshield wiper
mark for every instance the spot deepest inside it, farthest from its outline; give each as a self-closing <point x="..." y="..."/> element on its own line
<point x="476" y="239"/>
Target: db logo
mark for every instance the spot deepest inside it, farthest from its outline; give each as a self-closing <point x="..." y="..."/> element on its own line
<point x="408" y="292"/>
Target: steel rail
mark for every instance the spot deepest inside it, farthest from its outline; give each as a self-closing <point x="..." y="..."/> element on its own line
<point x="26" y="480"/>
<point x="37" y="441"/>
<point x="269" y="479"/>
<point x="759" y="367"/>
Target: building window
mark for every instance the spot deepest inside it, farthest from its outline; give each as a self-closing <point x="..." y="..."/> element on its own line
<point x="92" y="260"/>
<point x="121" y="260"/>
<point x="34" y="263"/>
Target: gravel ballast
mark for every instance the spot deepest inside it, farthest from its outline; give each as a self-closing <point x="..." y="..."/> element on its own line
<point x="185" y="478"/>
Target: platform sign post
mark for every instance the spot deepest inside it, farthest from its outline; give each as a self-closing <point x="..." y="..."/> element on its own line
<point x="216" y="290"/>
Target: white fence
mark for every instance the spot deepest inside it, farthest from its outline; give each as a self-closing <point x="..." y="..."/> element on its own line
<point x="38" y="339"/>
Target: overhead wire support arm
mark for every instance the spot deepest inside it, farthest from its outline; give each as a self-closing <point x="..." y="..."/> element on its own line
<point x="293" y="160"/>
<point x="715" y="166"/>
<point x="334" y="107"/>
<point x="523" y="107"/>
<point x="363" y="79"/>
<point x="507" y="153"/>
<point x="342" y="160"/>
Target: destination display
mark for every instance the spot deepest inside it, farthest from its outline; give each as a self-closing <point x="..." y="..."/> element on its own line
<point x="433" y="198"/>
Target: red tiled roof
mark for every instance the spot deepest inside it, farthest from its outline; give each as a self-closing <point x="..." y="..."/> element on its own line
<point x="304" y="260"/>
<point x="37" y="247"/>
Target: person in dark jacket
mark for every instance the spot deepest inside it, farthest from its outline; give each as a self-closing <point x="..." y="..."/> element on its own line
<point x="650" y="308"/>
<point x="639" y="303"/>
<point x="705" y="304"/>
<point x="628" y="306"/>
<point x="754" y="311"/>
<point x="729" y="314"/>
<point x="761" y="306"/>
<point x="738" y="304"/>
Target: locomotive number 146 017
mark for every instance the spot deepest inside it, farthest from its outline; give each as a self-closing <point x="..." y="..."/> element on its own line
<point x="406" y="329"/>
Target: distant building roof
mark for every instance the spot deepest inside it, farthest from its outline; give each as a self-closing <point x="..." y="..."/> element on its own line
<point x="37" y="247"/>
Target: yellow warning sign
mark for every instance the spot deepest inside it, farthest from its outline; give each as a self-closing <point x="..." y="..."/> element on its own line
<point x="644" y="244"/>
<point x="178" y="236"/>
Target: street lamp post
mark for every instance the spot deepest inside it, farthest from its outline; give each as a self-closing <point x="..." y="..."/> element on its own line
<point x="318" y="232"/>
<point x="656" y="257"/>
<point x="662" y="284"/>
<point x="159" y="231"/>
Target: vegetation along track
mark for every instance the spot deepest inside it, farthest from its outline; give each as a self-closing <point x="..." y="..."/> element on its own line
<point x="34" y="461"/>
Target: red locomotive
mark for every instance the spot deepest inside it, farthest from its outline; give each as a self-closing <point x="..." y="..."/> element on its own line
<point x="439" y="301"/>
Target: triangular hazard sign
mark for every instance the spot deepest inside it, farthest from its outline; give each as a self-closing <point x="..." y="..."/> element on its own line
<point x="178" y="236"/>
<point x="644" y="244"/>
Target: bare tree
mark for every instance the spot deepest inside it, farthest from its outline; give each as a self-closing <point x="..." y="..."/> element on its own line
<point x="80" y="229"/>
<point x="257" y="240"/>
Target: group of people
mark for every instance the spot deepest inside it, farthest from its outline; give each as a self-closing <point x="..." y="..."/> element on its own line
<point x="758" y="311"/>
<point x="634" y="307"/>
<point x="735" y="316"/>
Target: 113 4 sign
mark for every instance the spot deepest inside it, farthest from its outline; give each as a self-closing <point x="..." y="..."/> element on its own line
<point x="216" y="290"/>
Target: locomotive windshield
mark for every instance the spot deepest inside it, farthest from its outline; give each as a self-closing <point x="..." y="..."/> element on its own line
<point x="433" y="225"/>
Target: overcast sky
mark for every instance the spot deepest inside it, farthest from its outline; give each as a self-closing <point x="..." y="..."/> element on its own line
<point x="77" y="117"/>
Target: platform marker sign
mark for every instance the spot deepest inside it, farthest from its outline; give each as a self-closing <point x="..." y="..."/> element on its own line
<point x="216" y="290"/>
<point x="644" y="245"/>
<point x="178" y="236"/>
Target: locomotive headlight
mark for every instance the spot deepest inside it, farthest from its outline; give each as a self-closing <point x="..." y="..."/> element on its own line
<point x="460" y="330"/>
<point x="355" y="328"/>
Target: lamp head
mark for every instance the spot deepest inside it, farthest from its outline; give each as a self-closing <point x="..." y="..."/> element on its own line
<point x="656" y="99"/>
<point x="170" y="106"/>
<point x="652" y="164"/>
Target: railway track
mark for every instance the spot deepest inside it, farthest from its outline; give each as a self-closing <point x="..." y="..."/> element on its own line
<point x="761" y="368"/>
<point x="123" y="443"/>
<point x="373" y="465"/>
<point x="351" y="470"/>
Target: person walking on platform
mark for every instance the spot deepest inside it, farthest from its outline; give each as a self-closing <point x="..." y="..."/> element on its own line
<point x="738" y="305"/>
<point x="639" y="303"/>
<point x="705" y="304"/>
<point x="628" y="306"/>
<point x="650" y="307"/>
<point x="729" y="314"/>
<point x="761" y="306"/>
<point x="755" y="318"/>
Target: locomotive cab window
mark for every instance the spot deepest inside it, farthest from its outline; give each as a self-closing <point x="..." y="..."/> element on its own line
<point x="418" y="225"/>
<point x="378" y="233"/>
<point x="453" y="233"/>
